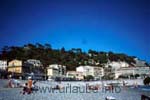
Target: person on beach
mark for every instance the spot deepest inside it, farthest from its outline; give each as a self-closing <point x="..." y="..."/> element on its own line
<point x="10" y="83"/>
<point x="34" y="87"/>
<point x="124" y="83"/>
<point x="25" y="89"/>
<point x="30" y="83"/>
<point x="28" y="90"/>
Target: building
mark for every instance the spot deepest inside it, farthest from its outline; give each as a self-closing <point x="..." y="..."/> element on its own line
<point x="15" y="66"/>
<point x="117" y="64"/>
<point x="86" y="70"/>
<point x="132" y="71"/>
<point x="97" y="72"/>
<point x="34" y="62"/>
<point x="3" y="65"/>
<point x="33" y="68"/>
<point x="76" y="75"/>
<point x="139" y="63"/>
<point x="56" y="70"/>
<point x="52" y="72"/>
<point x="25" y="69"/>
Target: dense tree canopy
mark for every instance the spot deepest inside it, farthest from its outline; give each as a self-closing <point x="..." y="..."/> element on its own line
<point x="71" y="58"/>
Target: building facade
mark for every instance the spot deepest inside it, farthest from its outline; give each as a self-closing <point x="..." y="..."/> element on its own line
<point x="117" y="64"/>
<point x="74" y="74"/>
<point x="139" y="63"/>
<point x="56" y="70"/>
<point x="29" y="68"/>
<point x="34" y="62"/>
<point x="3" y="64"/>
<point x="86" y="70"/>
<point x="33" y="68"/>
<point x="132" y="71"/>
<point x="96" y="72"/>
<point x="15" y="66"/>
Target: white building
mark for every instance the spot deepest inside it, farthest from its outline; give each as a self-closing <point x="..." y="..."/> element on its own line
<point x="86" y="70"/>
<point x="97" y="72"/>
<point x="75" y="74"/>
<point x="139" y="63"/>
<point x="3" y="64"/>
<point x="56" y="70"/>
<point x="34" y="62"/>
<point x="117" y="64"/>
<point x="132" y="71"/>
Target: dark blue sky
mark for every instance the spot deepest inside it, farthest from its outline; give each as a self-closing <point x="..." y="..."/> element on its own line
<point x="103" y="25"/>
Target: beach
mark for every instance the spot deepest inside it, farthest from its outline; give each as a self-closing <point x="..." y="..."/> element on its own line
<point x="14" y="93"/>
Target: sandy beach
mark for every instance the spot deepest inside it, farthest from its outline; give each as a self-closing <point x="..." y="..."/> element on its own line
<point x="14" y="93"/>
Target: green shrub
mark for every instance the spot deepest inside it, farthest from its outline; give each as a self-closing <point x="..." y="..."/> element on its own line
<point x="146" y="81"/>
<point x="89" y="77"/>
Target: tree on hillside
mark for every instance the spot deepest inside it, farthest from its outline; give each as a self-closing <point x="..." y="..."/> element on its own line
<point x="146" y="81"/>
<point x="71" y="58"/>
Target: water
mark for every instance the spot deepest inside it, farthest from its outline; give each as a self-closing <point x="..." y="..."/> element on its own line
<point x="124" y="94"/>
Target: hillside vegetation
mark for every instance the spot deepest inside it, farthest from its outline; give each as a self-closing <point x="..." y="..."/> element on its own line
<point x="71" y="58"/>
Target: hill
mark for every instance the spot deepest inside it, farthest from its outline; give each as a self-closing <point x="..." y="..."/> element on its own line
<point x="71" y="58"/>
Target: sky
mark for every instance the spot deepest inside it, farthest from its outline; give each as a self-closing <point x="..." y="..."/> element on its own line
<point x="121" y="26"/>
